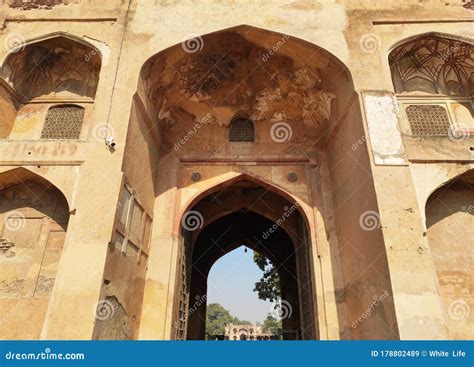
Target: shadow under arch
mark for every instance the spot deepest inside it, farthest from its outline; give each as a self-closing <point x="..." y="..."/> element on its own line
<point x="34" y="216"/>
<point x="449" y="214"/>
<point x="242" y="222"/>
<point x="163" y="103"/>
<point x="43" y="66"/>
<point x="173" y="75"/>
<point x="267" y="185"/>
<point x="20" y="177"/>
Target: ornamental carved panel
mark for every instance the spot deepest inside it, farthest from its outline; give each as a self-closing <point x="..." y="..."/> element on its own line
<point x="434" y="65"/>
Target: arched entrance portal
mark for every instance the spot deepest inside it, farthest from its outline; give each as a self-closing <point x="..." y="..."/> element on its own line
<point x="246" y="213"/>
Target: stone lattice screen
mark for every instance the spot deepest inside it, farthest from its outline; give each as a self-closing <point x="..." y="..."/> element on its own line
<point x="241" y="130"/>
<point x="428" y="120"/>
<point x="63" y="122"/>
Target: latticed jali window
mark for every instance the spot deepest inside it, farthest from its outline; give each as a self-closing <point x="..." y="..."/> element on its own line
<point x="63" y="122"/>
<point x="428" y="120"/>
<point x="241" y="130"/>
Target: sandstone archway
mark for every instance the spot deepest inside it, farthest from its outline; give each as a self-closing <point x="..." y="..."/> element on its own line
<point x="450" y="231"/>
<point x="306" y="121"/>
<point x="34" y="216"/>
<point x="243" y="220"/>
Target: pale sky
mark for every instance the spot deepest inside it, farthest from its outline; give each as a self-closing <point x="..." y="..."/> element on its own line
<point x="230" y="283"/>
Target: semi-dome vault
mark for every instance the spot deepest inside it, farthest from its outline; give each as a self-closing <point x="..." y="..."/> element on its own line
<point x="57" y="66"/>
<point x="244" y="71"/>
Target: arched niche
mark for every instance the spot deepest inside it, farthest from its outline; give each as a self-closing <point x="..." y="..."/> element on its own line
<point x="433" y="64"/>
<point x="450" y="231"/>
<point x="57" y="66"/>
<point x="34" y="216"/>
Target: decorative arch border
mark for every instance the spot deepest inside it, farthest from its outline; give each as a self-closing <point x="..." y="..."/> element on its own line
<point x="425" y="34"/>
<point x="48" y="36"/>
<point x="445" y="183"/>
<point x="302" y="207"/>
<point x="50" y="180"/>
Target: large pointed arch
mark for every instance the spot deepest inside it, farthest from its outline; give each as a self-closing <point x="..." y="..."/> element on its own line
<point x="450" y="230"/>
<point x="204" y="241"/>
<point x="34" y="216"/>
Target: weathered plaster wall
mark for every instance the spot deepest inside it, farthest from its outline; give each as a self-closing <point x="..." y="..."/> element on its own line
<point x="360" y="34"/>
<point x="450" y="228"/>
<point x="8" y="110"/>
<point x="33" y="221"/>
<point x="361" y="246"/>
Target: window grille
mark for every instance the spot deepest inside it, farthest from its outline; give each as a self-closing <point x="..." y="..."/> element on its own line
<point x="428" y="120"/>
<point x="241" y="130"/>
<point x="63" y="122"/>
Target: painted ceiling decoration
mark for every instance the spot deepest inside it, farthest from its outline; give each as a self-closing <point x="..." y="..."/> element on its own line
<point x="230" y="75"/>
<point x="55" y="67"/>
<point x="434" y="65"/>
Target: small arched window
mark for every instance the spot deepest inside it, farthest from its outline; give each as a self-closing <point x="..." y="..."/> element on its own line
<point x="241" y="130"/>
<point x="63" y="122"/>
